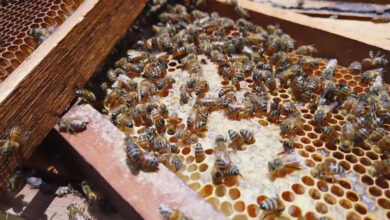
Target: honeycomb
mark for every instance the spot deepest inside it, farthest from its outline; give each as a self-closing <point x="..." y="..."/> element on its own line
<point x="17" y="17"/>
<point x="356" y="194"/>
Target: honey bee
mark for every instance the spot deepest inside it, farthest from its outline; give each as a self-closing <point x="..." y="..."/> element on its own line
<point x="12" y="143"/>
<point x="307" y="50"/>
<point x="355" y="67"/>
<point x="216" y="176"/>
<point x="289" y="108"/>
<point x="91" y="195"/>
<point x="312" y="85"/>
<point x="346" y="145"/>
<point x="384" y="144"/>
<point x="298" y="84"/>
<point x="41" y="34"/>
<point x="237" y="140"/>
<point x="172" y="214"/>
<point x="377" y="135"/>
<point x="288" y="146"/>
<point x="370" y="75"/>
<point x="75" y="213"/>
<point x="291" y="124"/>
<point x="199" y="153"/>
<point x="85" y="95"/>
<point x="278" y="169"/>
<point x="149" y="163"/>
<point x="248" y="136"/>
<point x="330" y="134"/>
<point x="288" y="74"/>
<point x="272" y="206"/>
<point x="327" y="170"/>
<point x="274" y="116"/>
<point x="184" y="98"/>
<point x="134" y="56"/>
<point x="327" y="73"/>
<point x="201" y="87"/>
<point x="380" y="168"/>
<point x="71" y="125"/>
<point x="343" y="92"/>
<point x="323" y="111"/>
<point x="134" y="153"/>
<point x="241" y="12"/>
<point x="160" y="126"/>
<point x="361" y="134"/>
<point x="199" y="127"/>
<point x="376" y="61"/>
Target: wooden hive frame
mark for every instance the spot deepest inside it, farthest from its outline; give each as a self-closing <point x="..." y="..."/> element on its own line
<point x="59" y="59"/>
<point x="97" y="148"/>
<point x="41" y="88"/>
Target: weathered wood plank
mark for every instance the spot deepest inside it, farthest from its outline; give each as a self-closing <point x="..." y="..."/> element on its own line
<point x="41" y="88"/>
<point x="101" y="146"/>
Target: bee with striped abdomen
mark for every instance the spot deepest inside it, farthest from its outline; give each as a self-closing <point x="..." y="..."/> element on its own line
<point x="355" y="67"/>
<point x="380" y="168"/>
<point x="248" y="136"/>
<point x="85" y="95"/>
<point x="375" y="61"/>
<point x="307" y="50"/>
<point x="237" y="140"/>
<point x="199" y="153"/>
<point x="271" y="207"/>
<point x="290" y="125"/>
<point x="71" y="125"/>
<point x="279" y="168"/>
<point x="327" y="170"/>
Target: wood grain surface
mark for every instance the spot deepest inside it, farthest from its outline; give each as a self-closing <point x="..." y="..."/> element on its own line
<point x="101" y="147"/>
<point x="41" y="88"/>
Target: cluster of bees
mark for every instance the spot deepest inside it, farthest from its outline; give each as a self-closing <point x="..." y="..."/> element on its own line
<point x="265" y="57"/>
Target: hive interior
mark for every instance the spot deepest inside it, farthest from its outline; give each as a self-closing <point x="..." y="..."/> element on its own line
<point x="17" y="18"/>
<point x="355" y="194"/>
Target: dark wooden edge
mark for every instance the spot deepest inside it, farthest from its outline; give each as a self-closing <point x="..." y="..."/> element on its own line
<point x="101" y="150"/>
<point x="41" y="88"/>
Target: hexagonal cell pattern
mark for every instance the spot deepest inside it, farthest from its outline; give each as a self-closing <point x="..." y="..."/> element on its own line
<point x="17" y="18"/>
<point x="354" y="194"/>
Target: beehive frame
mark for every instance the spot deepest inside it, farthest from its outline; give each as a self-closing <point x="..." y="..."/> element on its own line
<point x="308" y="150"/>
<point x="36" y="93"/>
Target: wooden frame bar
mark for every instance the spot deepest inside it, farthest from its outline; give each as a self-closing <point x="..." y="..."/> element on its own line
<point x="101" y="147"/>
<point x="41" y="88"/>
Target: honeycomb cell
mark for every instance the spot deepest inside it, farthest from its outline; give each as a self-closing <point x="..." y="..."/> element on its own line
<point x="314" y="194"/>
<point x="234" y="193"/>
<point x="190" y="159"/>
<point x="345" y="203"/>
<point x="309" y="163"/>
<point x="195" y="176"/>
<point x="308" y="180"/>
<point x="387" y="193"/>
<point x="317" y="143"/>
<point x="361" y="209"/>
<point x="186" y="150"/>
<point x="353" y="216"/>
<point x="303" y="153"/>
<point x="191" y="168"/>
<point x="358" y="151"/>
<point x="367" y="180"/>
<point x="321" y="207"/>
<point x="331" y="200"/>
<point x="294" y="211"/>
<point x="310" y="148"/>
<point x="209" y="151"/>
<point x="220" y="190"/>
<point x="288" y="196"/>
<point x="338" y="155"/>
<point x="239" y="206"/>
<point x="298" y="189"/>
<point x="214" y="201"/>
<point x="359" y="168"/>
<point x="351" y="158"/>
<point x="203" y="167"/>
<point x="352" y="196"/>
<point x="206" y="191"/>
<point x="382" y="183"/>
<point x="337" y="190"/>
<point x="226" y="208"/>
<point x="316" y="157"/>
<point x="345" y="164"/>
<point x="365" y="161"/>
<point x="253" y="210"/>
<point x="322" y="186"/>
<point x="195" y="186"/>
